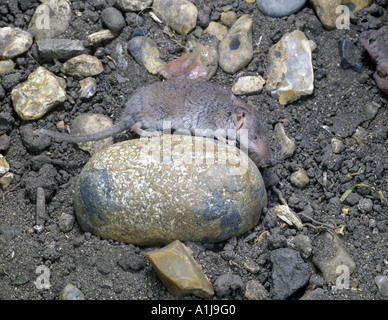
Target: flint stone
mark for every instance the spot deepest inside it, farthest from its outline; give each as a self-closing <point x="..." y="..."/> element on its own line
<point x="137" y="192"/>
<point x="290" y="74"/>
<point x="179" y="272"/>
<point x="62" y="49"/>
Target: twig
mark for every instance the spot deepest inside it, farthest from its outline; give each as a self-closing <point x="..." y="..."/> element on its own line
<point x="280" y="196"/>
<point x="40" y="210"/>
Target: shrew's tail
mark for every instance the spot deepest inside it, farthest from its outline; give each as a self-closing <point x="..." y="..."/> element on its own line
<point x="117" y="128"/>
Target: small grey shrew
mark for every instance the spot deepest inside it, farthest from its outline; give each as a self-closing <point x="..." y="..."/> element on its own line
<point x="196" y="106"/>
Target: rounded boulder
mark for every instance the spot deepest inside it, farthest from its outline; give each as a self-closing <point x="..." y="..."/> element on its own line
<point x="152" y="191"/>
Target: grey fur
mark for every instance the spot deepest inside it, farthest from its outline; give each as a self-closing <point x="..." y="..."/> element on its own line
<point x="188" y="105"/>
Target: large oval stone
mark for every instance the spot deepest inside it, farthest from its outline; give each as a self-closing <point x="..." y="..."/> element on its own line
<point x="152" y="191"/>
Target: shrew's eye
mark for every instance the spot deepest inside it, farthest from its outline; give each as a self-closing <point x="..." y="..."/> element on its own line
<point x="256" y="137"/>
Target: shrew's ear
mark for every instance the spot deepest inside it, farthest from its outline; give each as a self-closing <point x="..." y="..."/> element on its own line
<point x="240" y="116"/>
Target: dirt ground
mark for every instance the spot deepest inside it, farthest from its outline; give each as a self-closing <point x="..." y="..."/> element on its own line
<point x="106" y="270"/>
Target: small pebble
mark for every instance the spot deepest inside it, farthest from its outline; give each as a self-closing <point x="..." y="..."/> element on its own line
<point x="4" y="166"/>
<point x="83" y="65"/>
<point x="299" y="178"/>
<point x="254" y="290"/>
<point x="287" y="145"/>
<point x="113" y="19"/>
<point x="372" y="223"/>
<point x="375" y="42"/>
<point x="349" y="57"/>
<point x="248" y="85"/>
<point x="14" y="42"/>
<point x="58" y="22"/>
<point x="188" y="66"/>
<point x="302" y="244"/>
<point x="382" y="284"/>
<point x="228" y="18"/>
<point x="100" y="36"/>
<point x="337" y="145"/>
<point x="5" y="142"/>
<point x="216" y="29"/>
<point x="365" y="205"/>
<point x="70" y="292"/>
<point x="66" y="222"/>
<point x="371" y="109"/>
<point x="6" y="180"/>
<point x="88" y="88"/>
<point x="227" y="284"/>
<point x="132" y="5"/>
<point x="6" y="66"/>
<point x="360" y="134"/>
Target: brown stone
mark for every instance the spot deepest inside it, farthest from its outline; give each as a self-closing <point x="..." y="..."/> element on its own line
<point x="326" y="9"/>
<point x="179" y="272"/>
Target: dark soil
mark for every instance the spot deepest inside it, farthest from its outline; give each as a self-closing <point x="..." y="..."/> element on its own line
<point x="104" y="269"/>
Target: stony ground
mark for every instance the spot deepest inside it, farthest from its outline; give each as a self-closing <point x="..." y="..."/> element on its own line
<point x="104" y="269"/>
